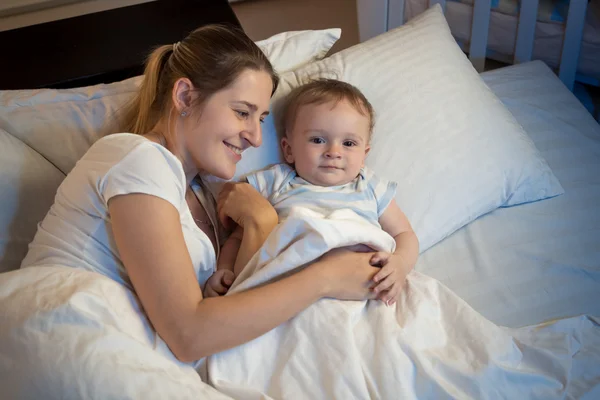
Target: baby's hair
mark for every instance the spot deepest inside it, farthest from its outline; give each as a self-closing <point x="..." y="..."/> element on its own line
<point x="324" y="91"/>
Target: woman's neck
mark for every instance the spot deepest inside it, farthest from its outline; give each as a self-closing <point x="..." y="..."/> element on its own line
<point x="189" y="169"/>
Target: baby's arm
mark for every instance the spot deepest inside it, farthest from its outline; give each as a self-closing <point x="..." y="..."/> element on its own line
<point x="395" y="266"/>
<point x="394" y="222"/>
<point x="235" y="254"/>
<point x="230" y="250"/>
<point x="219" y="282"/>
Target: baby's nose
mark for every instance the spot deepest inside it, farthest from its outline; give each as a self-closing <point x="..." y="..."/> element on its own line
<point x="333" y="152"/>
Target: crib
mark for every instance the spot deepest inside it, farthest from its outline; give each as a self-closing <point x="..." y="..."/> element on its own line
<point x="378" y="16"/>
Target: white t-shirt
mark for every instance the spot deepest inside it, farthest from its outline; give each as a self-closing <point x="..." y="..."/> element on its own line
<point x="367" y="195"/>
<point x="77" y="230"/>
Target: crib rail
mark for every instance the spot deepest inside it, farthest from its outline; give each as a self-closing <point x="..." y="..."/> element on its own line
<point x="378" y="16"/>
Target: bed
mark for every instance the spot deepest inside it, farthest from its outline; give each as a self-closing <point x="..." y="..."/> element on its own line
<point x="539" y="261"/>
<point x="517" y="262"/>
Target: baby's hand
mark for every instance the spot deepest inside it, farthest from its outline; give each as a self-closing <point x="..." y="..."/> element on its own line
<point x="218" y="284"/>
<point x="390" y="279"/>
<point x="380" y="258"/>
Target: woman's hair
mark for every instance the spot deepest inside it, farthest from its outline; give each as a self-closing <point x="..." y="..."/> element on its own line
<point x="211" y="57"/>
<point x="324" y="91"/>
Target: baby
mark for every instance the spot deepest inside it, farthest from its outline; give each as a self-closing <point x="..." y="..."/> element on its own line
<point x="328" y="126"/>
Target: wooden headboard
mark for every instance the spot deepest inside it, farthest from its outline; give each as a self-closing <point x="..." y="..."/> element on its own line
<point x="101" y="47"/>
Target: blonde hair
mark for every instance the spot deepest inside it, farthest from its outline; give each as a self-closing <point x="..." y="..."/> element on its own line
<point x="324" y="91"/>
<point x="211" y="57"/>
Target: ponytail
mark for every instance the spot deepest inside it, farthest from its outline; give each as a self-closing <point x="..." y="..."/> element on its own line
<point x="142" y="115"/>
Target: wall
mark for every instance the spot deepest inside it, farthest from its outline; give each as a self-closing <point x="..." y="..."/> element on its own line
<point x="260" y="18"/>
<point x="67" y="10"/>
<point x="263" y="18"/>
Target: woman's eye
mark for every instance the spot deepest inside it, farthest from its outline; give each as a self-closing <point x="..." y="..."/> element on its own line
<point x="243" y="114"/>
<point x="317" y="140"/>
<point x="262" y="120"/>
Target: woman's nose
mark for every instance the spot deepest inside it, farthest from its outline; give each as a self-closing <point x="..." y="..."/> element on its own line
<point x="253" y="134"/>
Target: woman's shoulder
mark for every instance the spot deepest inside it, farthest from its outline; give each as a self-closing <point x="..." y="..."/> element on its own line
<point x="113" y="149"/>
<point x="129" y="159"/>
<point x="121" y="144"/>
<point x="127" y="163"/>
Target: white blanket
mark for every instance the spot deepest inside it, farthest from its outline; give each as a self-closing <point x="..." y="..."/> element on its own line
<point x="430" y="345"/>
<point x="71" y="334"/>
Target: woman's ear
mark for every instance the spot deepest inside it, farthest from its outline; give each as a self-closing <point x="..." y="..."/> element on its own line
<point x="287" y="150"/>
<point x="182" y="94"/>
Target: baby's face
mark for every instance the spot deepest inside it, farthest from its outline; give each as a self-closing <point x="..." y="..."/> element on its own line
<point x="328" y="144"/>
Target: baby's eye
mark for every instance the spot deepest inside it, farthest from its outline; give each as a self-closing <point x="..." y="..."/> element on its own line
<point x="349" y="143"/>
<point x="317" y="140"/>
<point x="242" y="114"/>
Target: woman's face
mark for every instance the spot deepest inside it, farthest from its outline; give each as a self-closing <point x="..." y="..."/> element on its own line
<point x="226" y="124"/>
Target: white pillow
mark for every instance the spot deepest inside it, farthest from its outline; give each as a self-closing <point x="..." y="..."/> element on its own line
<point x="454" y="149"/>
<point x="28" y="184"/>
<point x="291" y="50"/>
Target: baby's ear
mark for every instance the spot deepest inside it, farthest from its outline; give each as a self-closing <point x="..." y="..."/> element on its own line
<point x="367" y="149"/>
<point x="286" y="148"/>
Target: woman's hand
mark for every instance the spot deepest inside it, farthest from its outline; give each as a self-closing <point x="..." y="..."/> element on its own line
<point x="347" y="275"/>
<point x="241" y="204"/>
<point x="391" y="277"/>
<point x="219" y="283"/>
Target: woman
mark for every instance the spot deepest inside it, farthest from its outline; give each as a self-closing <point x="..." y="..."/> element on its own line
<point x="132" y="210"/>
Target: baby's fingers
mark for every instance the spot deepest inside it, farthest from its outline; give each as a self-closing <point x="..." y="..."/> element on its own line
<point x="384" y="285"/>
<point x="227" y="278"/>
<point x="220" y="288"/>
<point x="209" y="292"/>
<point x="389" y="297"/>
<point x="379" y="259"/>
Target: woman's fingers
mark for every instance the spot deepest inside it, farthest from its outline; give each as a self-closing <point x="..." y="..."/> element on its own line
<point x="349" y="275"/>
<point x="386" y="271"/>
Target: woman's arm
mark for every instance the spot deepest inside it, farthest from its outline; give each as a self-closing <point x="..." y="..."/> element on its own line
<point x="394" y="222"/>
<point x="150" y="241"/>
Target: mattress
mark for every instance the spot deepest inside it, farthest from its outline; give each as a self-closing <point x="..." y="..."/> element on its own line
<point x="535" y="262"/>
<point x="503" y="31"/>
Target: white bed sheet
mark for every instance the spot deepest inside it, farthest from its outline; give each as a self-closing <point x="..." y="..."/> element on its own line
<point x="503" y="29"/>
<point x="531" y="263"/>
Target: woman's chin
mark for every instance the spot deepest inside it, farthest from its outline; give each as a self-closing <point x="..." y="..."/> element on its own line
<point x="224" y="173"/>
